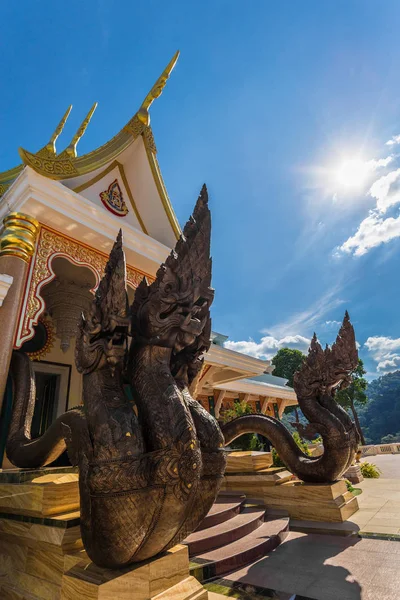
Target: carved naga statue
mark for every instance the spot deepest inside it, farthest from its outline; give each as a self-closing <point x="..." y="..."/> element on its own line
<point x="148" y="479"/>
<point x="315" y="384"/>
<point x="149" y="473"/>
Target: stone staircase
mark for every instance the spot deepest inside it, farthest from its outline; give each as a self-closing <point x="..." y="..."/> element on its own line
<point x="235" y="533"/>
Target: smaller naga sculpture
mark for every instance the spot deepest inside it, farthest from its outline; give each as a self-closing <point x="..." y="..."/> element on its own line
<point x="149" y="473"/>
<point x="321" y="374"/>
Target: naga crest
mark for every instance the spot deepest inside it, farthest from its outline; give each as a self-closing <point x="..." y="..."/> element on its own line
<point x="174" y="310"/>
<point x="324" y="370"/>
<point x="102" y="335"/>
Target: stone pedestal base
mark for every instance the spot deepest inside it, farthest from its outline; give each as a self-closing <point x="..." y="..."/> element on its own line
<point x="353" y="474"/>
<point x="244" y="462"/>
<point x="163" y="578"/>
<point x="253" y="483"/>
<point x="42" y="555"/>
<point x="39" y="493"/>
<point x="315" y="502"/>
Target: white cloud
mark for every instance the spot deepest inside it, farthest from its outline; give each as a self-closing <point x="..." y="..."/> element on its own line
<point x="269" y="345"/>
<point x="385" y="190"/>
<point x="372" y="231"/>
<point x="385" y="351"/>
<point x="281" y="336"/>
<point x="305" y="321"/>
<point x="393" y="141"/>
<point x="381" y="162"/>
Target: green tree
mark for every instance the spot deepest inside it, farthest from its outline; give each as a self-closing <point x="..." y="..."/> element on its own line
<point x="355" y="395"/>
<point x="391" y="438"/>
<point x="286" y="362"/>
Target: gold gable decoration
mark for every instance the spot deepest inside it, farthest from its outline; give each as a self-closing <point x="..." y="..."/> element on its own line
<point x="67" y="164"/>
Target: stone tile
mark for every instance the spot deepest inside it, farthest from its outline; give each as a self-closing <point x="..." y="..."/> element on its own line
<point x="335" y="590"/>
<point x="381" y="593"/>
<point x="378" y="521"/>
<point x="384" y="575"/>
<point x="370" y="528"/>
<point x="329" y="568"/>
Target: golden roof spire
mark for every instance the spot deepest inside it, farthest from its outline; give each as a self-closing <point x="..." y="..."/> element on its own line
<point x="156" y="90"/>
<point x="67" y="164"/>
<point x="50" y="148"/>
<point x="71" y="149"/>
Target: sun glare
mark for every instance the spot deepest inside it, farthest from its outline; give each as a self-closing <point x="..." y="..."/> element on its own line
<point x="352" y="173"/>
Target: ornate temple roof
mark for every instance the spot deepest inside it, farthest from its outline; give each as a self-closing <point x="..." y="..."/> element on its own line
<point x="129" y="159"/>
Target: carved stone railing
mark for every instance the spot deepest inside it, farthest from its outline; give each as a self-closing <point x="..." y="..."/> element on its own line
<point x="374" y="449"/>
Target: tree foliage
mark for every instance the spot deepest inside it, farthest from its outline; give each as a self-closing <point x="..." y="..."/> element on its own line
<point x="355" y="396"/>
<point x="276" y="459"/>
<point x="286" y="362"/>
<point x="382" y="414"/>
<point x="391" y="438"/>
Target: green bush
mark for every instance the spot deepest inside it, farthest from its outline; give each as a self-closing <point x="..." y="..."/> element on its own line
<point x="369" y="470"/>
<point x="317" y="441"/>
<point x="276" y="459"/>
<point x="301" y="443"/>
<point x="255" y="444"/>
<point x="350" y="487"/>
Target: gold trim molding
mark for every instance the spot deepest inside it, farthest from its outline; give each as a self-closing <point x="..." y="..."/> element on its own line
<point x="51" y="244"/>
<point x="149" y="145"/>
<point x="121" y="170"/>
<point x="50" y="341"/>
<point x="19" y="236"/>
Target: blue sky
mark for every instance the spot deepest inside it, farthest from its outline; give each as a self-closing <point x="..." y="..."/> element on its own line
<point x="283" y="109"/>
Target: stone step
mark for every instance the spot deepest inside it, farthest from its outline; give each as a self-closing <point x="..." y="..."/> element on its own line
<point x="347" y="528"/>
<point x="224" y="508"/>
<point x="226" y="532"/>
<point x="241" y="552"/>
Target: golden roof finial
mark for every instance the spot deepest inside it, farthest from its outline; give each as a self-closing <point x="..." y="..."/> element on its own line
<point x="71" y="149"/>
<point x="50" y="148"/>
<point x="156" y="91"/>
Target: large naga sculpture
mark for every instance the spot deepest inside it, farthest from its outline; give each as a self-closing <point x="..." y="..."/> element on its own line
<point x="315" y="384"/>
<point x="149" y="471"/>
<point x="147" y="474"/>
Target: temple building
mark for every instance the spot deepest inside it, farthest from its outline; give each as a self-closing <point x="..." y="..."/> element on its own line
<point x="61" y="213"/>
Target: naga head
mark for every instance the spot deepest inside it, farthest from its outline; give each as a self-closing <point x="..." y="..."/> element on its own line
<point x="102" y="334"/>
<point x="324" y="370"/>
<point x="187" y="364"/>
<point x="173" y="311"/>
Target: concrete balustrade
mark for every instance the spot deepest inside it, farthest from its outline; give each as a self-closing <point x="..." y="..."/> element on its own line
<point x="373" y="449"/>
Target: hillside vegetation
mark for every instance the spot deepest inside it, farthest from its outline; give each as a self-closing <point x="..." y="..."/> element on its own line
<point x="380" y="418"/>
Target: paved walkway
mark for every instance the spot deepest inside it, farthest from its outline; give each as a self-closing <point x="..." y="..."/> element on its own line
<point x="324" y="567"/>
<point x="380" y="501"/>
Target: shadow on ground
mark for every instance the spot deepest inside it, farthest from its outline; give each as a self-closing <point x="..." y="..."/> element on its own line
<point x="311" y="566"/>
